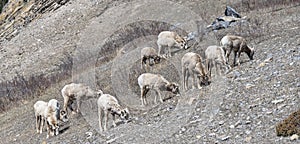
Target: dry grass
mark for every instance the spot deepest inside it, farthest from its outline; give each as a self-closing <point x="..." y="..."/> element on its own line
<point x="290" y="125"/>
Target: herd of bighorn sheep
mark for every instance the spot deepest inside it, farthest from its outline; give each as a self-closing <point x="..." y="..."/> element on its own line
<point x="192" y="64"/>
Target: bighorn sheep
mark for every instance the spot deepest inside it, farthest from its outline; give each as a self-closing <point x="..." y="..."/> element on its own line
<point x="150" y="54"/>
<point x="51" y="114"/>
<point x="41" y="114"/>
<point x="215" y="55"/>
<point x="109" y="104"/>
<point x="156" y="82"/>
<point x="237" y="44"/>
<point x="170" y="39"/>
<point x="192" y="64"/>
<point x="39" y="110"/>
<point x="76" y="92"/>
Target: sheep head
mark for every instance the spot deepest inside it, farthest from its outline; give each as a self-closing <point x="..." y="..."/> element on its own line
<point x="251" y="53"/>
<point x="202" y="74"/>
<point x="63" y="116"/>
<point x="173" y="87"/>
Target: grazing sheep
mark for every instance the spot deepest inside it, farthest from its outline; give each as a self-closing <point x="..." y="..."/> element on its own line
<point x="51" y="115"/>
<point x="40" y="115"/>
<point x="170" y="39"/>
<point x="156" y="82"/>
<point x="191" y="64"/>
<point x="149" y="53"/>
<point x="109" y="104"/>
<point x="238" y="45"/>
<point x="76" y="92"/>
<point x="215" y="55"/>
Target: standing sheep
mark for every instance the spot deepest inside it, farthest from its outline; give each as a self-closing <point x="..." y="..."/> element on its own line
<point x="156" y="82"/>
<point x="191" y="64"/>
<point x="52" y="114"/>
<point x="76" y="92"/>
<point x="109" y="104"/>
<point x="40" y="108"/>
<point x="215" y="55"/>
<point x="237" y="44"/>
<point x="170" y="39"/>
<point x="149" y="53"/>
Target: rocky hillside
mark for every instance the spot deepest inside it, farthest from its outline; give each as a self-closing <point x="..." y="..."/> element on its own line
<point x="47" y="44"/>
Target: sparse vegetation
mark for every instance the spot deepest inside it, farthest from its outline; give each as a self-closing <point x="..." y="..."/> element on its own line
<point x="290" y="125"/>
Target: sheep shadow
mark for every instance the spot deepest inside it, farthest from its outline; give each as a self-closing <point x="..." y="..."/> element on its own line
<point x="64" y="129"/>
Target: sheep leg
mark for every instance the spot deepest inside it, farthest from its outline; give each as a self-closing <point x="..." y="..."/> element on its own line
<point x="159" y="49"/>
<point x="41" y="124"/>
<point x="78" y="104"/>
<point x="48" y="129"/>
<point x="56" y="129"/>
<point x="105" y="119"/>
<point x="37" y="123"/>
<point x="169" y="51"/>
<point x="142" y="96"/>
<point x="66" y="101"/>
<point x="114" y="120"/>
<point x="144" y="91"/>
<point x="142" y="62"/>
<point x="218" y="67"/>
<point x="228" y="54"/>
<point x="158" y="93"/>
<point x="100" y="118"/>
<point x="198" y="82"/>
<point x="238" y="57"/>
<point x="187" y="80"/>
<point x="183" y="81"/>
<point x="193" y="78"/>
<point x="235" y="57"/>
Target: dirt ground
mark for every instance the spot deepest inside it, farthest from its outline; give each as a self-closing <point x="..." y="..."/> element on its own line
<point x="105" y="39"/>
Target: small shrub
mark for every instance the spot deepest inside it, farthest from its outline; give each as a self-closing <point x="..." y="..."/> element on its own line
<point x="289" y="126"/>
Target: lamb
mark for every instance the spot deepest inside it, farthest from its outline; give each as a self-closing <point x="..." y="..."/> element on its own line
<point x="40" y="114"/>
<point x="149" y="53"/>
<point x="191" y="64"/>
<point x="109" y="104"/>
<point x="215" y="55"/>
<point x="76" y="92"/>
<point x="170" y="39"/>
<point x="237" y="44"/>
<point x="156" y="82"/>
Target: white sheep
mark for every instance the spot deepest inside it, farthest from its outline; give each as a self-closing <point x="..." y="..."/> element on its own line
<point x="76" y="92"/>
<point x="170" y="39"/>
<point x="156" y="82"/>
<point x="191" y="64"/>
<point x="109" y="104"/>
<point x="150" y="54"/>
<point x="237" y="44"/>
<point x="215" y="55"/>
<point x="40" y="108"/>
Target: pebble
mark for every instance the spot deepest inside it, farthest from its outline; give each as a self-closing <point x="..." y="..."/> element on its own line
<point x="248" y="85"/>
<point x="248" y="139"/>
<point x="277" y="101"/>
<point x="221" y="122"/>
<point x="248" y="122"/>
<point x="294" y="137"/>
<point x="225" y="138"/>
